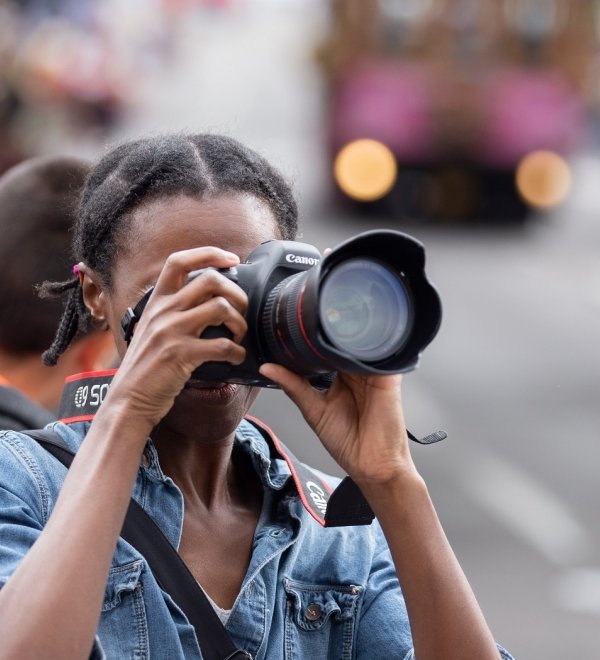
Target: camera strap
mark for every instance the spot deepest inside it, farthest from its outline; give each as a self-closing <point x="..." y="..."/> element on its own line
<point x="346" y="505"/>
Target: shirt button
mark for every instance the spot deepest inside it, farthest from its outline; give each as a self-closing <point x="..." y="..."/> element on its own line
<point x="313" y="612"/>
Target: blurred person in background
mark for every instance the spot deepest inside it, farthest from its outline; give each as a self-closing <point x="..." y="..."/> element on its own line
<point x="38" y="200"/>
<point x="152" y="211"/>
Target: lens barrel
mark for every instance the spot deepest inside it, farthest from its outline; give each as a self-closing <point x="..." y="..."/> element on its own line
<point x="367" y="308"/>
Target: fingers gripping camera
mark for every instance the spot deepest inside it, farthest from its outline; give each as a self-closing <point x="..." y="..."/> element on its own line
<point x="366" y="308"/>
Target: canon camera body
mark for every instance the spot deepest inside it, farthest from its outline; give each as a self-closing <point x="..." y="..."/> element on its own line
<point x="365" y="308"/>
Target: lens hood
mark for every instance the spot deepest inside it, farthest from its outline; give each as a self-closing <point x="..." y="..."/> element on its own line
<point x="405" y="257"/>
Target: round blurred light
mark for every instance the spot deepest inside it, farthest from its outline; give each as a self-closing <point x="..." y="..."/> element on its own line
<point x="365" y="170"/>
<point x="543" y="179"/>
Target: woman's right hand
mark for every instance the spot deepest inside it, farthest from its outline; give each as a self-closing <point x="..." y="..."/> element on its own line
<point x="166" y="346"/>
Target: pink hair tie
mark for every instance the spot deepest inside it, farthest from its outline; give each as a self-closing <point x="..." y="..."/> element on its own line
<point x="76" y="270"/>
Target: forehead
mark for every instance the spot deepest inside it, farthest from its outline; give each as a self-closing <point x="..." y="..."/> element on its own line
<point x="237" y="223"/>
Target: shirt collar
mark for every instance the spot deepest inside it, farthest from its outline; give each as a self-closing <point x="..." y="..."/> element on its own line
<point x="273" y="470"/>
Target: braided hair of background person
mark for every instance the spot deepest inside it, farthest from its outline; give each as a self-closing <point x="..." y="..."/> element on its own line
<point x="143" y="170"/>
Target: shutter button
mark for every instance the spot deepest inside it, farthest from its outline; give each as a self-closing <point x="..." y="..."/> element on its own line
<point x="313" y="612"/>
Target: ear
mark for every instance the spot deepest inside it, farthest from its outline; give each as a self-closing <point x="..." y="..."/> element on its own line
<point x="93" y="295"/>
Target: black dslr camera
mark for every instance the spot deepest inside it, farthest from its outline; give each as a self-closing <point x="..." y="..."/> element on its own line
<point x="366" y="308"/>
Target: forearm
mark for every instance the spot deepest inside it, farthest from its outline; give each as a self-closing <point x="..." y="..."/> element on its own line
<point x="446" y="621"/>
<point x="50" y="607"/>
<point x="359" y="420"/>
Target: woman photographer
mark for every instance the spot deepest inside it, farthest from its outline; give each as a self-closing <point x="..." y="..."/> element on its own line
<point x="152" y="211"/>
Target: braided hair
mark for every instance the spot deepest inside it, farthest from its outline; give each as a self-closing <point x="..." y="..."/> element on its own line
<point x="144" y="170"/>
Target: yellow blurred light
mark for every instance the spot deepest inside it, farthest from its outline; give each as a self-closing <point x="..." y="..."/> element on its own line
<point x="365" y="170"/>
<point x="543" y="179"/>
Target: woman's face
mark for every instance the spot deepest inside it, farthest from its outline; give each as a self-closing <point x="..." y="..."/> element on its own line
<point x="236" y="222"/>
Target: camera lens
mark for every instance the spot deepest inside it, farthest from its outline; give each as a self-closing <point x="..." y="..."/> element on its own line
<point x="364" y="309"/>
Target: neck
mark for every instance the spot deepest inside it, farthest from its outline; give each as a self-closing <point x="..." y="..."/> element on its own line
<point x="207" y="471"/>
<point x="195" y="444"/>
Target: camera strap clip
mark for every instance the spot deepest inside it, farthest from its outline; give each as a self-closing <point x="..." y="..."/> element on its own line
<point x="436" y="436"/>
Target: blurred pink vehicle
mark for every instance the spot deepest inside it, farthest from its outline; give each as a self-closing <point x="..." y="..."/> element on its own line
<point x="461" y="93"/>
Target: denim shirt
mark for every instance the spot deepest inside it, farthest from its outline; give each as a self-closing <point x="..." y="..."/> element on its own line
<point x="309" y="592"/>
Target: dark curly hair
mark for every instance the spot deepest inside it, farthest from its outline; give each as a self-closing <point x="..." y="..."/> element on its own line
<point x="139" y="171"/>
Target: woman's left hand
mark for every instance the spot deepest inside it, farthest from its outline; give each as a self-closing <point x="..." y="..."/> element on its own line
<point x="359" y="420"/>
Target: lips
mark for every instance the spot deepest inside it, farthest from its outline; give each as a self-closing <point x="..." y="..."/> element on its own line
<point x="214" y="392"/>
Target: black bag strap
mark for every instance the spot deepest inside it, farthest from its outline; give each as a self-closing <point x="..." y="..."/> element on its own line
<point x="169" y="569"/>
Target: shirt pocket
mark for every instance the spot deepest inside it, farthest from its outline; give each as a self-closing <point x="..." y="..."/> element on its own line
<point x="320" y="620"/>
<point x="123" y="630"/>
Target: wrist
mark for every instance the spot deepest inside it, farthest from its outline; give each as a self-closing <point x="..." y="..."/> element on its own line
<point x="383" y="467"/>
<point x="119" y="416"/>
<point x="400" y="486"/>
<point x="134" y="398"/>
